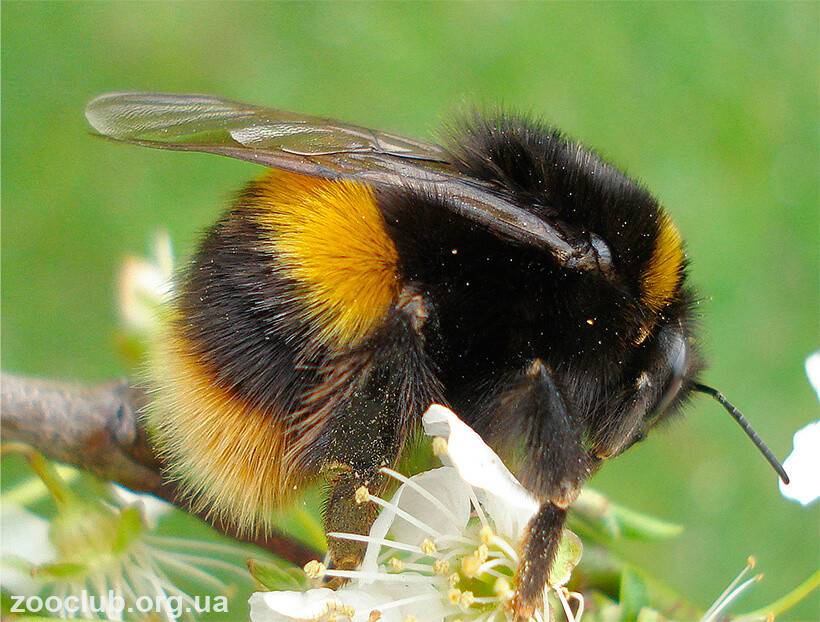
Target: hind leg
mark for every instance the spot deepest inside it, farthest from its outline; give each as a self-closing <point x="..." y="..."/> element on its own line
<point x="369" y="431"/>
<point x="346" y="512"/>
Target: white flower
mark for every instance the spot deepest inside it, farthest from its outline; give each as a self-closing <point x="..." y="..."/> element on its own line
<point x="803" y="463"/>
<point x="445" y="547"/>
<point x="93" y="550"/>
<point x="23" y="541"/>
<point x="803" y="466"/>
<point x="145" y="284"/>
<point x="813" y="371"/>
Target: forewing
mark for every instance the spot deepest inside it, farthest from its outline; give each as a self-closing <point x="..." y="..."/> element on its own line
<point x="327" y="148"/>
<point x="202" y="122"/>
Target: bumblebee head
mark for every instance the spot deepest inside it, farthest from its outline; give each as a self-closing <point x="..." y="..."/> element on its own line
<point x="670" y="365"/>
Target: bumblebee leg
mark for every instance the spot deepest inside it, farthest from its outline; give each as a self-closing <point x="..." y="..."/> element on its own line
<point x="370" y="429"/>
<point x="557" y="463"/>
<point x="540" y="547"/>
<point x="556" y="466"/>
<point x="366" y="435"/>
<point x="344" y="513"/>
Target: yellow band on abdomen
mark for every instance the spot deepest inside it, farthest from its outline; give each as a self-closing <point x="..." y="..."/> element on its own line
<point x="330" y="238"/>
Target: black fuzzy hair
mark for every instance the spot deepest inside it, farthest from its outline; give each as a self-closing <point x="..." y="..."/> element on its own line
<point x="557" y="178"/>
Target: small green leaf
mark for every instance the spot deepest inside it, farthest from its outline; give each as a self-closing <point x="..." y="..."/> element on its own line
<point x="271" y="576"/>
<point x="640" y="526"/>
<point x="566" y="559"/>
<point x="605" y="521"/>
<point x="129" y="527"/>
<point x="634" y="595"/>
<point x="59" y="570"/>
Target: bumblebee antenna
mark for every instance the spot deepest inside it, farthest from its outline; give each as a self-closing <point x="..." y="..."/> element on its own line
<point x="747" y="427"/>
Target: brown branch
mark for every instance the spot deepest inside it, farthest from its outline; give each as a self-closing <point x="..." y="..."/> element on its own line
<point x="98" y="429"/>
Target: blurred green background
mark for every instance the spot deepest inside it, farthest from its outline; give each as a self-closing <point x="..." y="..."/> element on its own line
<point x="714" y="106"/>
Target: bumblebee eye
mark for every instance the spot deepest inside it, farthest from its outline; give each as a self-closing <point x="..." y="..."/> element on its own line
<point x="638" y="437"/>
<point x="677" y="356"/>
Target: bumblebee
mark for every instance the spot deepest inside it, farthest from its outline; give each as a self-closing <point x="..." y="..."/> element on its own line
<point x="513" y="275"/>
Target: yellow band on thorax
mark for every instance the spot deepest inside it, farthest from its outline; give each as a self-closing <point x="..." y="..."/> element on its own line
<point x="661" y="278"/>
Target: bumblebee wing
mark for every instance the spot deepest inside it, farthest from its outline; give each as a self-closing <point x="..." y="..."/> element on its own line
<point x="265" y="135"/>
<point x="332" y="149"/>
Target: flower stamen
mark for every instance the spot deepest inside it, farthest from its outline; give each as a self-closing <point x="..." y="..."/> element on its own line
<point x="393" y="544"/>
<point x="362" y="495"/>
<point x="732" y="592"/>
<point x="423" y="492"/>
<point x="315" y="569"/>
<point x="405" y="515"/>
<point x="439" y="445"/>
<point x="428" y="547"/>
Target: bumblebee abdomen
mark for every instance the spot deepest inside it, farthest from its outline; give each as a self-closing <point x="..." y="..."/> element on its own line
<point x="225" y="453"/>
<point x="298" y="273"/>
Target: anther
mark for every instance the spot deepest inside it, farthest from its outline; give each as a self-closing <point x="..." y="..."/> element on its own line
<point x="467" y="599"/>
<point x="362" y="495"/>
<point x="314" y="569"/>
<point x="470" y="565"/>
<point x="441" y="567"/>
<point x="439" y="446"/>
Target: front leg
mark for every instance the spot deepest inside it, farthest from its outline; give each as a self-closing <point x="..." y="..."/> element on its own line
<point x="556" y="465"/>
<point x="538" y="554"/>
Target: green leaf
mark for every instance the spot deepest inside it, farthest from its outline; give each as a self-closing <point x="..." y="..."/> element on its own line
<point x="566" y="559"/>
<point x="598" y="518"/>
<point x="59" y="570"/>
<point x="634" y="595"/>
<point x="129" y="527"/>
<point x="640" y="526"/>
<point x="271" y="576"/>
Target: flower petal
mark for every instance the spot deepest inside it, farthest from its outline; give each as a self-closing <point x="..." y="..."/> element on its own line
<point x="289" y="606"/>
<point x="23" y="540"/>
<point x="423" y="602"/>
<point x="813" y="371"/>
<point x="509" y="504"/>
<point x="803" y="466"/>
<point x="378" y="532"/>
<point x="445" y="485"/>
